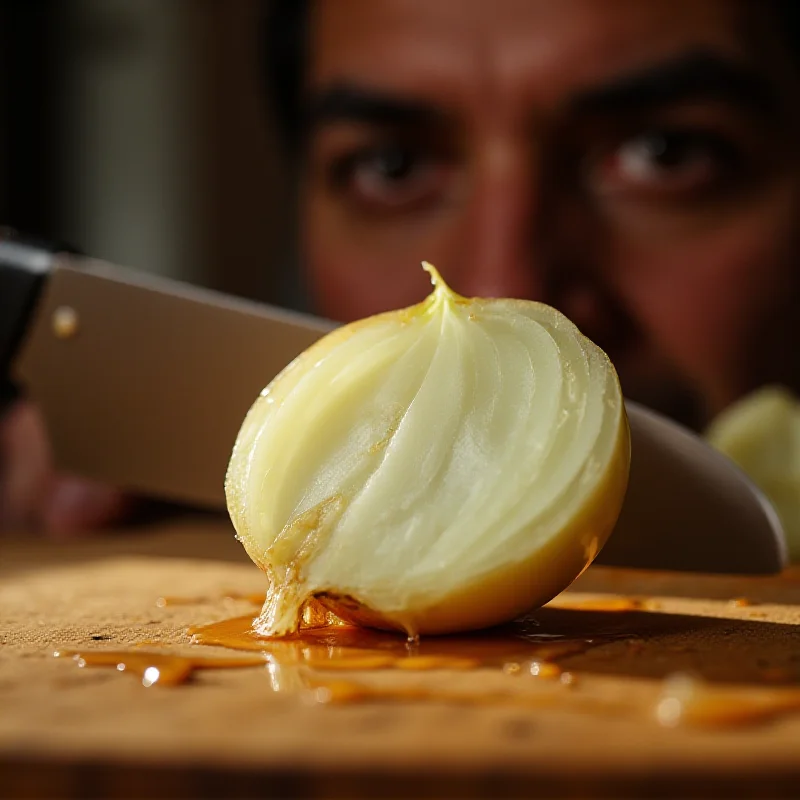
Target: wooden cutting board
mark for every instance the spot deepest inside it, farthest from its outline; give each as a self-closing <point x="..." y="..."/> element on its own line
<point x="69" y="732"/>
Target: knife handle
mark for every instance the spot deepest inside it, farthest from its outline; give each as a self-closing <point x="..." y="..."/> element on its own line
<point x="25" y="264"/>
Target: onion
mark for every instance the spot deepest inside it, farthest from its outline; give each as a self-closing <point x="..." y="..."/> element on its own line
<point x="441" y="468"/>
<point x="761" y="433"/>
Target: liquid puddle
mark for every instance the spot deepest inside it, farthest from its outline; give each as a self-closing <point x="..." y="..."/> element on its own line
<point x="688" y="701"/>
<point x="162" y="669"/>
<point x="327" y="644"/>
<point x="345" y="647"/>
<point x="532" y="647"/>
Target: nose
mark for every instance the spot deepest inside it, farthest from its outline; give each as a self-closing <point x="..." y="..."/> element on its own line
<point x="520" y="236"/>
<point x="499" y="241"/>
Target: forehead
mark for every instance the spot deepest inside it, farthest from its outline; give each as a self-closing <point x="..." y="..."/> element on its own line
<point x="461" y="49"/>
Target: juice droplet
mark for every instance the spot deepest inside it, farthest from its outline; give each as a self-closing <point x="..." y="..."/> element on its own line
<point x="544" y="669"/>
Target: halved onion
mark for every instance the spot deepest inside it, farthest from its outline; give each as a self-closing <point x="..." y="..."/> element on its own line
<point x="441" y="468"/>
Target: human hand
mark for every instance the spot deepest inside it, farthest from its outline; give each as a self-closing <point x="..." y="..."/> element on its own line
<point x="34" y="496"/>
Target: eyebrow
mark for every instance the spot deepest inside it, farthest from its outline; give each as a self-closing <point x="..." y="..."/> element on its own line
<point x="346" y="102"/>
<point x="698" y="75"/>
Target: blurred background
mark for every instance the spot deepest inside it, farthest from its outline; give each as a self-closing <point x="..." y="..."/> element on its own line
<point x="138" y="132"/>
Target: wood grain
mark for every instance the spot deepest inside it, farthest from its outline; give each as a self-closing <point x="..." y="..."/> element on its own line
<point x="66" y="732"/>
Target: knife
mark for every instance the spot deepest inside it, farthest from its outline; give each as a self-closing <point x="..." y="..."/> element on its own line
<point x="144" y="383"/>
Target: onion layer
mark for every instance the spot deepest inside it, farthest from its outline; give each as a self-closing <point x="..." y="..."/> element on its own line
<point x="441" y="468"/>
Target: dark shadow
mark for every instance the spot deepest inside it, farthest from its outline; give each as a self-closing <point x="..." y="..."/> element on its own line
<point x="647" y="644"/>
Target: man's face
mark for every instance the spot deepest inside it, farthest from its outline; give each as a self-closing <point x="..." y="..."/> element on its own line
<point x="632" y="163"/>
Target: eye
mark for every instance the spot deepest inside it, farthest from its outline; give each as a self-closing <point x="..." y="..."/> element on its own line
<point x="666" y="162"/>
<point x="390" y="176"/>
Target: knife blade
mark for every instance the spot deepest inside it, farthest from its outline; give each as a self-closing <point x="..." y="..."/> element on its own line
<point x="144" y="383"/>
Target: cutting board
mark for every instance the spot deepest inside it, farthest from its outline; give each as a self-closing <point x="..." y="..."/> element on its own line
<point x="69" y="732"/>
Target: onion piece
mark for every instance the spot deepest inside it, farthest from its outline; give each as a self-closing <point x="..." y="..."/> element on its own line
<point x="761" y="433"/>
<point x="440" y="468"/>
